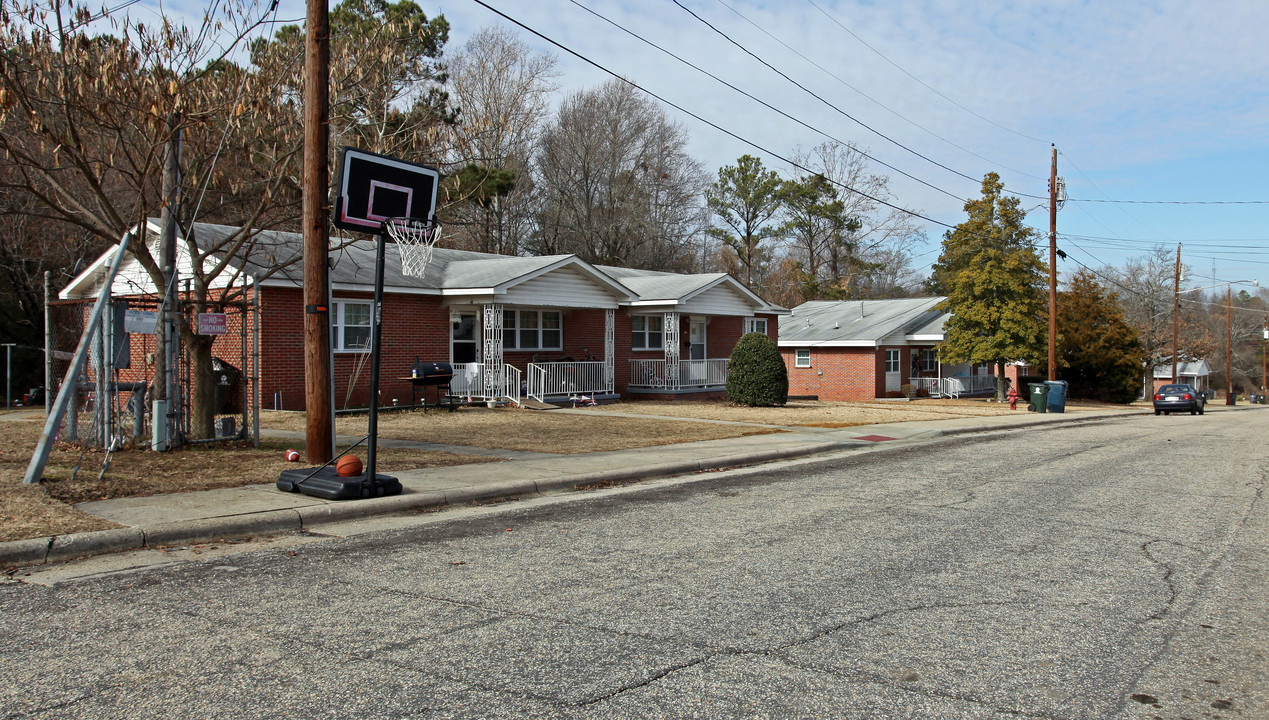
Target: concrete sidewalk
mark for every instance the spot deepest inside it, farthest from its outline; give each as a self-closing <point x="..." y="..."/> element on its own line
<point x="184" y="518"/>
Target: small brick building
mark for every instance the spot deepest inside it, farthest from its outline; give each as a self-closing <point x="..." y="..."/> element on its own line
<point x="512" y="327"/>
<point x="860" y="350"/>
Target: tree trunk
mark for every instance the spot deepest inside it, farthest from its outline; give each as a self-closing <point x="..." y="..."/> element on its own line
<point x="1001" y="387"/>
<point x="202" y="401"/>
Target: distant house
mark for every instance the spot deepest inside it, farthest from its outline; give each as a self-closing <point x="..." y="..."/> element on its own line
<point x="544" y="327"/>
<point x="861" y="350"/>
<point x="1190" y="372"/>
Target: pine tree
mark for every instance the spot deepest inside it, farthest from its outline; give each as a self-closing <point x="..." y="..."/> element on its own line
<point x="1099" y="354"/>
<point x="994" y="283"/>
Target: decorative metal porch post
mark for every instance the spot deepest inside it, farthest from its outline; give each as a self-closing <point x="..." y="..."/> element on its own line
<point x="610" y="350"/>
<point x="670" y="334"/>
<point x="491" y="352"/>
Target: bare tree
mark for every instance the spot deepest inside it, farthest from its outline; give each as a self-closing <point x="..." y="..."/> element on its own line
<point x="860" y="247"/>
<point x="615" y="183"/>
<point x="503" y="90"/>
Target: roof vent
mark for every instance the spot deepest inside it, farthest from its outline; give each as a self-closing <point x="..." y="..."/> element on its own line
<point x="835" y="326"/>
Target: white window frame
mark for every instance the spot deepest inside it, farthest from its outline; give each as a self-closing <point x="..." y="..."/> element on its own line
<point x="511" y="330"/>
<point x="896" y="363"/>
<point x="752" y="324"/>
<point x="802" y="357"/>
<point x="641" y="327"/>
<point x="929" y="360"/>
<point x="339" y="326"/>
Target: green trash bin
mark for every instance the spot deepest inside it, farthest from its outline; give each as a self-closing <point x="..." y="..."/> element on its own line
<point x="1039" y="397"/>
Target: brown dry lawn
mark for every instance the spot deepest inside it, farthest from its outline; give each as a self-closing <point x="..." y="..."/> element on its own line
<point x="47" y="508"/>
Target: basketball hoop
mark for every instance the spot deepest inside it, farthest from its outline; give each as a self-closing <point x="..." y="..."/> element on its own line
<point x="415" y="241"/>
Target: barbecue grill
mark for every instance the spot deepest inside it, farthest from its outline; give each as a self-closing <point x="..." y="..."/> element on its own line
<point x="431" y="375"/>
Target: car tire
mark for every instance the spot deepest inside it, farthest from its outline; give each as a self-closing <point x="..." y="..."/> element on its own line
<point x="1156" y="412"/>
<point x="1194" y="412"/>
<point x="1201" y="408"/>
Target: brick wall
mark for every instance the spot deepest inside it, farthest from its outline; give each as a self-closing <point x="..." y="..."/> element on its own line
<point x="838" y="373"/>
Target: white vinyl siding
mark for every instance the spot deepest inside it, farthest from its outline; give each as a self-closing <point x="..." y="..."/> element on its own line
<point x="719" y="300"/>
<point x="561" y="288"/>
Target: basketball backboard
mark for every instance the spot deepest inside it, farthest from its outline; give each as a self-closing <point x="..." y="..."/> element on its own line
<point x="371" y="188"/>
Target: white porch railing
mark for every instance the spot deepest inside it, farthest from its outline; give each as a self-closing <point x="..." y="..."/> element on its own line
<point x="469" y="382"/>
<point x="954" y="387"/>
<point x="554" y="379"/>
<point x="691" y="374"/>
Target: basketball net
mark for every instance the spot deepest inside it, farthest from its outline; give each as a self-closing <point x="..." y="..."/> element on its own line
<point x="415" y="241"/>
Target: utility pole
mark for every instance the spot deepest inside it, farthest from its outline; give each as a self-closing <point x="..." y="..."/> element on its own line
<point x="1176" y="311"/>
<point x="1229" y="325"/>
<point x="167" y="380"/>
<point x="319" y="443"/>
<point x="1053" y="195"/>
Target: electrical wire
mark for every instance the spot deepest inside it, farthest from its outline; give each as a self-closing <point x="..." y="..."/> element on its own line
<point x="764" y="103"/>
<point x="918" y="80"/>
<point x="875" y="101"/>
<point x="815" y="95"/>
<point x="699" y="118"/>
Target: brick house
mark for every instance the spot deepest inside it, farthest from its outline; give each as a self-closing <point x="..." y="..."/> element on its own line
<point x="1191" y="372"/>
<point x="543" y="327"/>
<point x="860" y="350"/>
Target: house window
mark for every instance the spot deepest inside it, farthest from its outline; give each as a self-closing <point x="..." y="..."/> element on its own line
<point x="929" y="360"/>
<point x="532" y="330"/>
<point x="350" y="329"/>
<point x="756" y="325"/>
<point x="892" y="361"/>
<point x="802" y="357"/>
<point x="646" y="332"/>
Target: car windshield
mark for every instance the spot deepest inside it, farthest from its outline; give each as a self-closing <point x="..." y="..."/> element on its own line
<point x="1174" y="389"/>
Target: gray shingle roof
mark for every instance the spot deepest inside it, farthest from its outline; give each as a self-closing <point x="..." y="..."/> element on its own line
<point x="860" y="322"/>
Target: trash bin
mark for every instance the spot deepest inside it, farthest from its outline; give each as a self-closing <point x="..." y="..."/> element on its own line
<point x="1039" y="397"/>
<point x="1057" y="395"/>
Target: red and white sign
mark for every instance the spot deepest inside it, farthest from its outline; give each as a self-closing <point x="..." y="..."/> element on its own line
<point x="213" y="323"/>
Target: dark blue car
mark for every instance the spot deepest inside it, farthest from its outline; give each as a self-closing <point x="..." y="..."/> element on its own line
<point x="1178" y="398"/>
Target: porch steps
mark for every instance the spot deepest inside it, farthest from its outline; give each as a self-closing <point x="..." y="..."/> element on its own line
<point x="529" y="403"/>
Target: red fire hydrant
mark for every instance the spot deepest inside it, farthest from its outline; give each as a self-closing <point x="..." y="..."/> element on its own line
<point x="1013" y="398"/>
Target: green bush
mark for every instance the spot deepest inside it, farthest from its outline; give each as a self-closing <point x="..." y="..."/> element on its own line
<point x="756" y="375"/>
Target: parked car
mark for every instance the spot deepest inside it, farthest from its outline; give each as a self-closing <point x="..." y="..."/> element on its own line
<point x="1178" y="398"/>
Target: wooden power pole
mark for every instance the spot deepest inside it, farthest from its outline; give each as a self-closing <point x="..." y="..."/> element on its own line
<point x="1053" y="195"/>
<point x="1176" y="312"/>
<point x="319" y="444"/>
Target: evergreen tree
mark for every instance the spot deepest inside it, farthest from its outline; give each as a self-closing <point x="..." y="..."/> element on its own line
<point x="1099" y="354"/>
<point x="744" y="199"/>
<point x="994" y="283"/>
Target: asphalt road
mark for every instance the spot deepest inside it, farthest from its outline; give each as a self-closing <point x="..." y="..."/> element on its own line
<point x="1103" y="570"/>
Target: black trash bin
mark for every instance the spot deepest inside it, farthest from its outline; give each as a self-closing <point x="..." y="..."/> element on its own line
<point x="228" y="397"/>
<point x="1039" y="397"/>
<point x="1057" y="395"/>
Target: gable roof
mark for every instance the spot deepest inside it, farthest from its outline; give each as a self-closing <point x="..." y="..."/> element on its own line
<point x="450" y="272"/>
<point x="1197" y="368"/>
<point x="863" y="323"/>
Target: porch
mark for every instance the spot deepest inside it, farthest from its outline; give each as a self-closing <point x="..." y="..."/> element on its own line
<point x="680" y="375"/>
<point x="956" y="386"/>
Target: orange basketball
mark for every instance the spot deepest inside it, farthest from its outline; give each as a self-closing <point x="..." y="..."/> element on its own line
<point x="348" y="466"/>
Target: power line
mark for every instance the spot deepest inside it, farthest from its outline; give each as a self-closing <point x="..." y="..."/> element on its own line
<point x="875" y="101"/>
<point x="710" y="123"/>
<point x="921" y="82"/>
<point x="763" y="102"/>
<point x="813" y="94"/>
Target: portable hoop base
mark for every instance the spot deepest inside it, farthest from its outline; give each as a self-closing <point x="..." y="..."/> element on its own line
<point x="326" y="483"/>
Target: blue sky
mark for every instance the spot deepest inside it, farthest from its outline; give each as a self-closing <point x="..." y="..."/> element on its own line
<point x="1157" y="100"/>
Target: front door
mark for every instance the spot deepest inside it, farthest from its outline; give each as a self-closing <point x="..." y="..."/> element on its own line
<point x="462" y="339"/>
<point x="894" y="379"/>
<point x="696" y="336"/>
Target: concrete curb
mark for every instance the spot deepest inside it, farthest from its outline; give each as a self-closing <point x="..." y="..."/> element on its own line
<point x="40" y="551"/>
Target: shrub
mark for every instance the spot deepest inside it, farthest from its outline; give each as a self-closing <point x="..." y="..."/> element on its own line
<point x="756" y="375"/>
